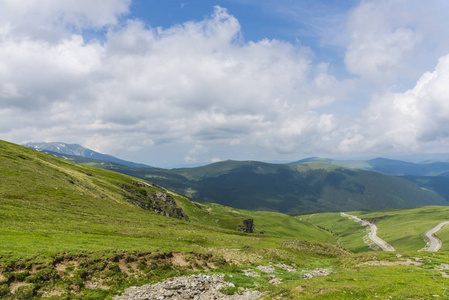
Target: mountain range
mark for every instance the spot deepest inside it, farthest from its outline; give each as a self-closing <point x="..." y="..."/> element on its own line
<point x="57" y="148"/>
<point x="390" y="166"/>
<point x="311" y="185"/>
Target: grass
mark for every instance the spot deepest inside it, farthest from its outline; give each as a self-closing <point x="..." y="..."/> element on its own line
<point x="361" y="281"/>
<point x="350" y="235"/>
<point x="52" y="208"/>
<point x="69" y="231"/>
<point x="402" y="228"/>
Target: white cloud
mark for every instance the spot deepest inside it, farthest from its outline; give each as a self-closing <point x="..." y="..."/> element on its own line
<point x="379" y="41"/>
<point x="199" y="86"/>
<point x="52" y="19"/>
<point x="413" y="120"/>
<point x="202" y="82"/>
<point x="391" y="42"/>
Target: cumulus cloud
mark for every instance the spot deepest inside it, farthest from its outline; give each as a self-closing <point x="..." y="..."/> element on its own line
<point x="391" y="40"/>
<point x="200" y="86"/>
<point x="194" y="82"/>
<point x="417" y="118"/>
<point x="51" y="20"/>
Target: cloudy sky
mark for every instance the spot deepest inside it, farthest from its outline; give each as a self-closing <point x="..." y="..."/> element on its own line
<point x="187" y="81"/>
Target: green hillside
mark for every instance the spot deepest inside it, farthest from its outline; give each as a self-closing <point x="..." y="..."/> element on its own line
<point x="293" y="188"/>
<point x="52" y="210"/>
<point x="70" y="231"/>
<point x="402" y="228"/>
<point x="390" y="166"/>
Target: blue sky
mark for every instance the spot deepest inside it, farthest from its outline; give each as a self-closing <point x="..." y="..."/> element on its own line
<point x="185" y="82"/>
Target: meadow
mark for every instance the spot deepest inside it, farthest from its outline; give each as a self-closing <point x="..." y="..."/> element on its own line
<point x="70" y="231"/>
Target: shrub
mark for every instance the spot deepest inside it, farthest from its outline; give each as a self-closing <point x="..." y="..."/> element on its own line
<point x="25" y="292"/>
<point x="4" y="290"/>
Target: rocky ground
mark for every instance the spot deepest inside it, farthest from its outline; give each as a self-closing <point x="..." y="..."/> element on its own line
<point x="197" y="287"/>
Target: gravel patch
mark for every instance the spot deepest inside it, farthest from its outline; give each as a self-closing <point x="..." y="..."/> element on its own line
<point x="197" y="287"/>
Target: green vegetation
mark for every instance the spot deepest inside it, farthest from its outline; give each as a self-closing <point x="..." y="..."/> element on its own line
<point x="71" y="231"/>
<point x="88" y="219"/>
<point x="286" y="188"/>
<point x="350" y="234"/>
<point x="402" y="228"/>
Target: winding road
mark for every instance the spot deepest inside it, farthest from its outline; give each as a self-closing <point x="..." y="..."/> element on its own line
<point x="434" y="243"/>
<point x="372" y="234"/>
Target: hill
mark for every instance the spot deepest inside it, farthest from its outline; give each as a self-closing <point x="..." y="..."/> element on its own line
<point x="71" y="231"/>
<point x="402" y="228"/>
<point x="290" y="188"/>
<point x="390" y="166"/>
<point x="57" y="214"/>
<point x="57" y="149"/>
<point x="312" y="185"/>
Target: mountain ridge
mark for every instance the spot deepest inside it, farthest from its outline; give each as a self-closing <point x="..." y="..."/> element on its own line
<point x="78" y="150"/>
<point x="309" y="185"/>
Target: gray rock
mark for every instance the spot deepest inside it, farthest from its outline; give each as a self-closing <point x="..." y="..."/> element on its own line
<point x="200" y="287"/>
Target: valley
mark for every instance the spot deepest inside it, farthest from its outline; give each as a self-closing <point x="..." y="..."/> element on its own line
<point x="296" y="188"/>
<point x="74" y="231"/>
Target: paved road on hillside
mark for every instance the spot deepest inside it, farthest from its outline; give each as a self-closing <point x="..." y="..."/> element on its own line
<point x="435" y="243"/>
<point x="372" y="234"/>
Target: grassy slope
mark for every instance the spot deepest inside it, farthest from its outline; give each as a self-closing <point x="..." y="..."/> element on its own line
<point x="43" y="194"/>
<point x="294" y="188"/>
<point x="50" y="206"/>
<point x="350" y="234"/>
<point x="402" y="228"/>
<point x="55" y="214"/>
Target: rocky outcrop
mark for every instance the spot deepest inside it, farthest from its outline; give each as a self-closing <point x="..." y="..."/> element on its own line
<point x="187" y="287"/>
<point x="152" y="197"/>
<point x="247" y="227"/>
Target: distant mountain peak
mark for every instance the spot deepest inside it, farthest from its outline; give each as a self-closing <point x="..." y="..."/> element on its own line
<point x="78" y="150"/>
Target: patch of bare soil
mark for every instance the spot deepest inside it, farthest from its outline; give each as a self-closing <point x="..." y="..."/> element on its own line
<point x="61" y="269"/>
<point x="52" y="293"/>
<point x="322" y="291"/>
<point x="407" y="262"/>
<point x="179" y="259"/>
<point x="124" y="266"/>
<point x="15" y="285"/>
<point x="33" y="269"/>
<point x="95" y="284"/>
<point x="2" y="277"/>
<point x="300" y="288"/>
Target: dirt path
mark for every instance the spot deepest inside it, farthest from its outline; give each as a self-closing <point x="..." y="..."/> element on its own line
<point x="372" y="233"/>
<point x="434" y="243"/>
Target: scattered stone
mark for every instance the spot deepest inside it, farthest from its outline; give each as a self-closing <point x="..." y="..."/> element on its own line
<point x="444" y="274"/>
<point x="266" y="269"/>
<point x="274" y="280"/>
<point x="307" y="276"/>
<point x="286" y="267"/>
<point x="200" y="287"/>
<point x="251" y="273"/>
<point x="316" y="272"/>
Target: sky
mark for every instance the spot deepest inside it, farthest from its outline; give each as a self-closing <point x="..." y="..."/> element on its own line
<point x="177" y="82"/>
